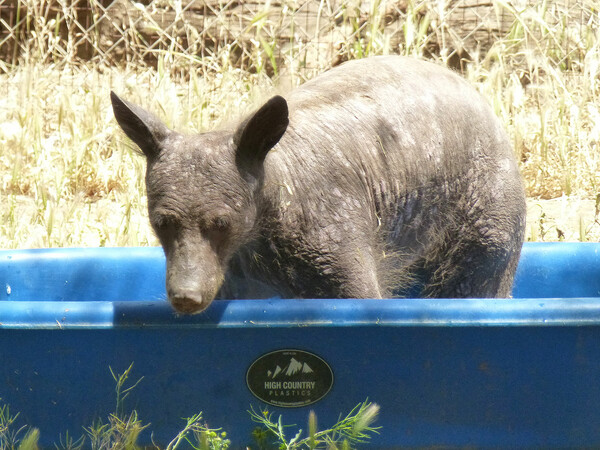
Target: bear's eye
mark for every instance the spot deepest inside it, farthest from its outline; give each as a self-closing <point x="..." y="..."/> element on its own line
<point x="220" y="224"/>
<point x="163" y="222"/>
<point x="219" y="232"/>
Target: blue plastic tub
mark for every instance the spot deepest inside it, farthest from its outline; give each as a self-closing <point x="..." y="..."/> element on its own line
<point x="521" y="372"/>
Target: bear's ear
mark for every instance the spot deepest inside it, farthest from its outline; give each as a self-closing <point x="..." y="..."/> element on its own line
<point x="141" y="126"/>
<point x="260" y="132"/>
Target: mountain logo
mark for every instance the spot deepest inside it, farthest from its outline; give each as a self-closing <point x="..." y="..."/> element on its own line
<point x="289" y="378"/>
<point x="290" y="369"/>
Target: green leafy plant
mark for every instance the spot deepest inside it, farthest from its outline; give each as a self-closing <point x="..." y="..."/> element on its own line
<point x="199" y="436"/>
<point x="121" y="431"/>
<point x="30" y="440"/>
<point x="9" y="438"/>
<point x="353" y="429"/>
<point x="70" y="443"/>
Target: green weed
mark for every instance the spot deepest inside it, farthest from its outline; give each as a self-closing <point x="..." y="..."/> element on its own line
<point x="122" y="430"/>
<point x="355" y="428"/>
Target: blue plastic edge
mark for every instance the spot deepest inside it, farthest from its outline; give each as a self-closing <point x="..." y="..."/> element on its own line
<point x="304" y="313"/>
<point x="542" y="265"/>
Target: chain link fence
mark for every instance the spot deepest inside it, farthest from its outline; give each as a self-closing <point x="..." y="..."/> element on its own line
<point x="282" y="35"/>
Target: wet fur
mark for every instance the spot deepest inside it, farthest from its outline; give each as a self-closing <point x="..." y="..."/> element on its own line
<point x="386" y="176"/>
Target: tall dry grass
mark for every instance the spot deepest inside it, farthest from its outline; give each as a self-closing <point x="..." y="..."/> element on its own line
<point x="68" y="177"/>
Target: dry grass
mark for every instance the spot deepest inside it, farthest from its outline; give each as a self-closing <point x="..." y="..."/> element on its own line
<point x="68" y="177"/>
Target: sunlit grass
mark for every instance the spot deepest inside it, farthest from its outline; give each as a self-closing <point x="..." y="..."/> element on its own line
<point x="68" y="176"/>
